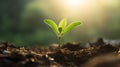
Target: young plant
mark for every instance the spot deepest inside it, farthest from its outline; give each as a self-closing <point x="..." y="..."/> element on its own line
<point x="61" y="29"/>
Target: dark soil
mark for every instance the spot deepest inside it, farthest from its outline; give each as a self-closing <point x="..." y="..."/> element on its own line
<point x="99" y="54"/>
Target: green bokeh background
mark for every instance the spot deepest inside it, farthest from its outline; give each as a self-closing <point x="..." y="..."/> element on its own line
<point x="21" y="22"/>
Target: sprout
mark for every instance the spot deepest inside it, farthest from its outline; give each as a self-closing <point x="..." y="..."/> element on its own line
<point x="61" y="29"/>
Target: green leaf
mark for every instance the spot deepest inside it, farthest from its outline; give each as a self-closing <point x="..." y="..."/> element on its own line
<point x="71" y="26"/>
<point x="63" y="23"/>
<point x="60" y="29"/>
<point x="52" y="24"/>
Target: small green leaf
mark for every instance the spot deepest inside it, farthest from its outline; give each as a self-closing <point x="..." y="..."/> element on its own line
<point x="63" y="23"/>
<point x="71" y="26"/>
<point x="60" y="29"/>
<point x="52" y="24"/>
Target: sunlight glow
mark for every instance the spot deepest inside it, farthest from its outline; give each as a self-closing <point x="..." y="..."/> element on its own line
<point x="74" y="3"/>
<point x="74" y="7"/>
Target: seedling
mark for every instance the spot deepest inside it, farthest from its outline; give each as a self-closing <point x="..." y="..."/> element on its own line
<point x="61" y="29"/>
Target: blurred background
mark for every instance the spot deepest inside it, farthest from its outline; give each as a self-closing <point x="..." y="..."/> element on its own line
<point x="21" y="21"/>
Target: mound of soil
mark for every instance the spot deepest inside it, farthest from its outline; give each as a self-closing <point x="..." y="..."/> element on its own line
<point x="98" y="54"/>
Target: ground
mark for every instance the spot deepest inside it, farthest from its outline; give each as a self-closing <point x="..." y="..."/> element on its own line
<point x="98" y="54"/>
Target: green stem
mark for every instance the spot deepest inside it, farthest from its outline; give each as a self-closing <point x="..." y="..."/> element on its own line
<point x="59" y="41"/>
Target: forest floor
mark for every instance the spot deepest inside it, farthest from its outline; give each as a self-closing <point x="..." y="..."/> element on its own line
<point x="99" y="54"/>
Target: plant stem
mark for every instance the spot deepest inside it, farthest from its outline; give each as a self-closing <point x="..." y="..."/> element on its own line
<point x="59" y="41"/>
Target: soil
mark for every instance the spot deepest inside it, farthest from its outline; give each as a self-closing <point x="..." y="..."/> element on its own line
<point x="99" y="54"/>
